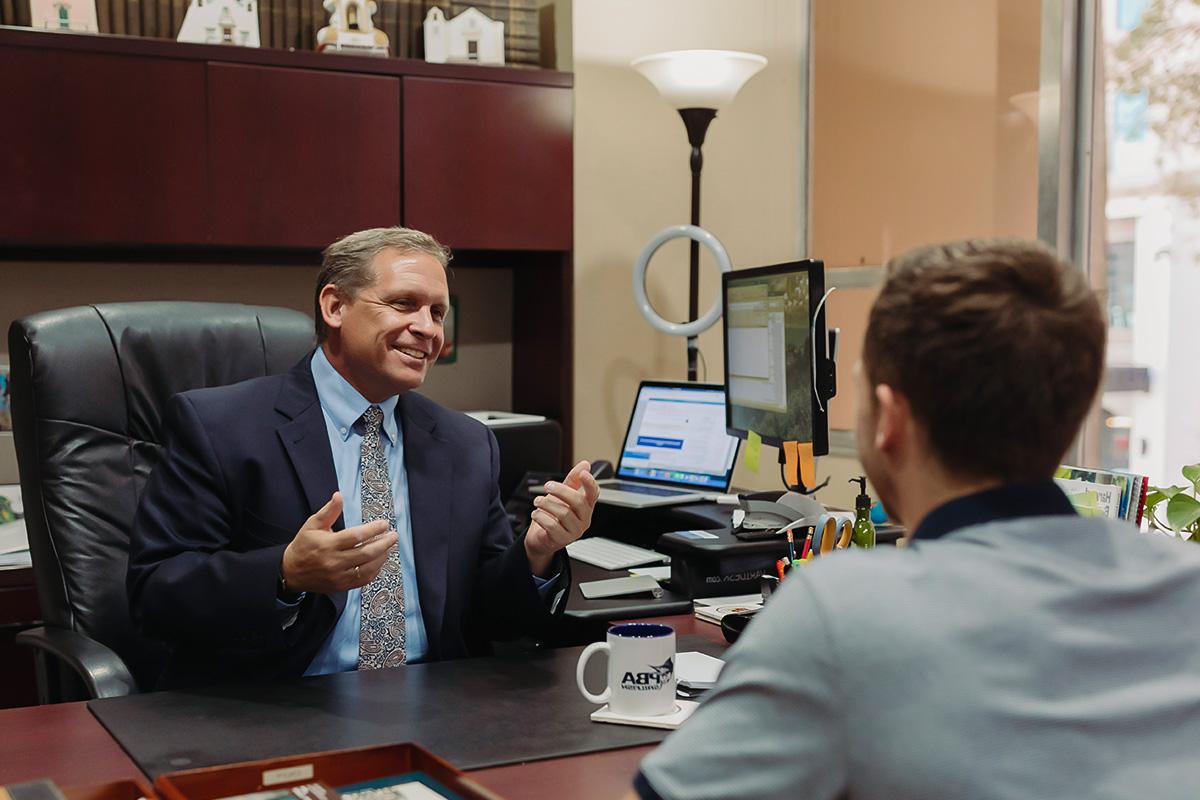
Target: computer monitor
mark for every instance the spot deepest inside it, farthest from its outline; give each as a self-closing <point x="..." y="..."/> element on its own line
<point x="774" y="364"/>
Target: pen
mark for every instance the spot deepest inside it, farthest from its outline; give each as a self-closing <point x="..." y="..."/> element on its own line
<point x="791" y="548"/>
<point x="779" y="568"/>
<point x="807" y="546"/>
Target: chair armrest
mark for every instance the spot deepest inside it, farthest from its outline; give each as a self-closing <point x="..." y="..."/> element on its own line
<point x="102" y="671"/>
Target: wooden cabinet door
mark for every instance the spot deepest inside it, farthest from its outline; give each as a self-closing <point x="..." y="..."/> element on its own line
<point x="488" y="165"/>
<point x="299" y="157"/>
<point x="98" y="148"/>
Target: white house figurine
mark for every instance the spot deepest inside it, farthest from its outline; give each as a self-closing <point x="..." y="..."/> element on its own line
<point x="64" y="15"/>
<point x="469" y="38"/>
<point x="221" y="22"/>
<point x="350" y="29"/>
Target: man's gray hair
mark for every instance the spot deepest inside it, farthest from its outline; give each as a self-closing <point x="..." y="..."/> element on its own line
<point x="347" y="262"/>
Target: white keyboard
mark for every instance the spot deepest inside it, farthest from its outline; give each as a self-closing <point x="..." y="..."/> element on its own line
<point x="608" y="554"/>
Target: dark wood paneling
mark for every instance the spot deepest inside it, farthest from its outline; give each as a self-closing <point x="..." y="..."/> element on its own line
<point x="300" y="157"/>
<point x="543" y="343"/>
<point x="100" y="148"/>
<point x="488" y="165"/>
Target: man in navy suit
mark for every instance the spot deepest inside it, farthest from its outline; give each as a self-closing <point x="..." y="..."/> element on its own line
<point x="329" y="518"/>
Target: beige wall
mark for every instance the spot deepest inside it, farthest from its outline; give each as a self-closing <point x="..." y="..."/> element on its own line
<point x="920" y="133"/>
<point x="481" y="378"/>
<point x="916" y="137"/>
<point x="632" y="179"/>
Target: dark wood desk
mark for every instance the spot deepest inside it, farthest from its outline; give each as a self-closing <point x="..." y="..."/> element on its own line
<point x="19" y="610"/>
<point x="67" y="744"/>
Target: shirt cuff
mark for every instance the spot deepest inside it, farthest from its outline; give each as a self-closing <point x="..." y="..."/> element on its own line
<point x="546" y="585"/>
<point x="291" y="610"/>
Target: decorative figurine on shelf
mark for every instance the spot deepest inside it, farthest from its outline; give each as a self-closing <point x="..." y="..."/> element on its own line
<point x="350" y="29"/>
<point x="221" y="22"/>
<point x="469" y="38"/>
<point x="59" y="15"/>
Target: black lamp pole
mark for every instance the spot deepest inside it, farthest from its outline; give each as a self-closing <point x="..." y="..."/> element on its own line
<point x="696" y="120"/>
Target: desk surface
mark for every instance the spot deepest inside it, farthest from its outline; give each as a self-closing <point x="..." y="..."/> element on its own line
<point x="67" y="744"/>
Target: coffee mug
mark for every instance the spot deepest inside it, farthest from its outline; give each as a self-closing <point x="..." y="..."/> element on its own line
<point x="641" y="669"/>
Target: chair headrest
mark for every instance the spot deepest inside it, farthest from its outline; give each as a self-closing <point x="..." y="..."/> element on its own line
<point x="114" y="366"/>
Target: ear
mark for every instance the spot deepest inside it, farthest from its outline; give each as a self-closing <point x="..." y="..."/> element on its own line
<point x="892" y="422"/>
<point x="333" y="305"/>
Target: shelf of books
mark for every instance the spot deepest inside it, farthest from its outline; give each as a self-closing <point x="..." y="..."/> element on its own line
<point x="1104" y="492"/>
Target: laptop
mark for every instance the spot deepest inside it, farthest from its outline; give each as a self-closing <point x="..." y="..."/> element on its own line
<point x="676" y="449"/>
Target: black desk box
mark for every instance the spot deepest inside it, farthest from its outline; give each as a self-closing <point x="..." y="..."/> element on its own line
<point x="704" y="567"/>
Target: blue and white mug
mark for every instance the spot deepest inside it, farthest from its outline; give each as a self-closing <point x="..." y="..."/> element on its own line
<point x="641" y="669"/>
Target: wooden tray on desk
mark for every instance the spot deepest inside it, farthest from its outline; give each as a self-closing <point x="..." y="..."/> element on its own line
<point x="117" y="790"/>
<point x="333" y="767"/>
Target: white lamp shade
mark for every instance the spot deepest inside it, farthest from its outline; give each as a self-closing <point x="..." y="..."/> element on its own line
<point x="699" y="78"/>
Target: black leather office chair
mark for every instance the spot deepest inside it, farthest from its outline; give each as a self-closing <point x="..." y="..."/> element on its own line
<point x="88" y="388"/>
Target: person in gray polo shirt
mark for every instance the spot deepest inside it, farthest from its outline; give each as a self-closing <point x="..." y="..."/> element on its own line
<point x="1013" y="649"/>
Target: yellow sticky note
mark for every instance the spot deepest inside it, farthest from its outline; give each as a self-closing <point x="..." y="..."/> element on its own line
<point x="790" y="472"/>
<point x="808" y="469"/>
<point x="753" y="451"/>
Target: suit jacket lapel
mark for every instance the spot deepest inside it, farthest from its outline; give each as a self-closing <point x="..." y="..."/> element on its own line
<point x="306" y="441"/>
<point x="430" y="469"/>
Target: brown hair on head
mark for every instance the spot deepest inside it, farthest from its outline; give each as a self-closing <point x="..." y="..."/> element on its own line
<point x="347" y="262"/>
<point x="998" y="347"/>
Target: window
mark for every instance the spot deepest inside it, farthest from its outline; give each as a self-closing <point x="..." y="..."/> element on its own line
<point x="1149" y="420"/>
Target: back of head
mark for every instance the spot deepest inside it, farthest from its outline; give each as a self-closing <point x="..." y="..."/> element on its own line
<point x="998" y="347"/>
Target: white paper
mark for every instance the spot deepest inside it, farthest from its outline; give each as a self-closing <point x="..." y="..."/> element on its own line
<point x="658" y="573"/>
<point x="416" y="791"/>
<point x="16" y="560"/>
<point x="731" y="600"/>
<point x="696" y="534"/>
<point x="13" y="538"/>
<point x="697" y="668"/>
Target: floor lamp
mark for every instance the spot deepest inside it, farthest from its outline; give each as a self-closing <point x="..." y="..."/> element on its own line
<point x="698" y="84"/>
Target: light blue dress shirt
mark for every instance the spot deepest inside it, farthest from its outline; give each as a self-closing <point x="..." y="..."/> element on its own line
<point x="342" y="406"/>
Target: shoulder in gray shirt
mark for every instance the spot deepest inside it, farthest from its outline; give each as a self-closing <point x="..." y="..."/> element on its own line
<point x="1047" y="657"/>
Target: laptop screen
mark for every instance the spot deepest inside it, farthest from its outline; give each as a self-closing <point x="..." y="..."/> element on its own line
<point x="677" y="436"/>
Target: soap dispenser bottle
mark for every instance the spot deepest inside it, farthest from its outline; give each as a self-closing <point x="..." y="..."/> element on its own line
<point x="864" y="531"/>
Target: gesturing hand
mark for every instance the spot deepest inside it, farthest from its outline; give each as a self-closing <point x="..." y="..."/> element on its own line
<point x="560" y="516"/>
<point x="321" y="560"/>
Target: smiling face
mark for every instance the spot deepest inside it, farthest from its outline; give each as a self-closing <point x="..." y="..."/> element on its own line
<point x="384" y="339"/>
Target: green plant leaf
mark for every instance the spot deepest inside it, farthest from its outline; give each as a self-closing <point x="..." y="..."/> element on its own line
<point x="1169" y="491"/>
<point x="1192" y="473"/>
<point x="1182" y="512"/>
<point x="1153" y="499"/>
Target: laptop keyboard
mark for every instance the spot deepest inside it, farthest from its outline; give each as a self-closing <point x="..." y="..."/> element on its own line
<point x="641" y="488"/>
